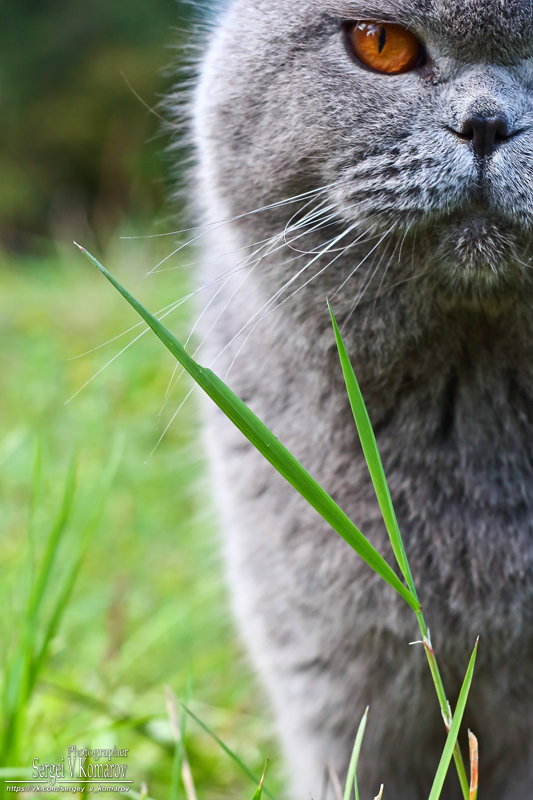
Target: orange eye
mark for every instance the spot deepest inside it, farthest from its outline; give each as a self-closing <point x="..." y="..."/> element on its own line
<point x="384" y="46"/>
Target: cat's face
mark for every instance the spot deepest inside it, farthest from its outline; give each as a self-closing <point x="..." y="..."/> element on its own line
<point x="437" y="159"/>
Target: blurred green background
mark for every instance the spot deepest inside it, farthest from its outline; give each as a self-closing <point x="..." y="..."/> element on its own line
<point x="82" y="158"/>
<point x="75" y="142"/>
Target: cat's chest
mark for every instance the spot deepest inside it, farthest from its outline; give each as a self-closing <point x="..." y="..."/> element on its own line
<point x="449" y="392"/>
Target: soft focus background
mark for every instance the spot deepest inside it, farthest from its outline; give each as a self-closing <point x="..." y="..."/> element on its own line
<point x="77" y="146"/>
<point x="111" y="588"/>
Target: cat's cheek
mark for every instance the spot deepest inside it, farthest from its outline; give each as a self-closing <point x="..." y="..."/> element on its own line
<point x="510" y="192"/>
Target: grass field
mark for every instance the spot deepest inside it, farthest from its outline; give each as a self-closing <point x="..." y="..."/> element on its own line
<point x="149" y="607"/>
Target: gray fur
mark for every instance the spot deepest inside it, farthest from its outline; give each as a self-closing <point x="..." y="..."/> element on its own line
<point x="438" y="322"/>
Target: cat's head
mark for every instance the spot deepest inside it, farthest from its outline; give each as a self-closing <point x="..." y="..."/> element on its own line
<point x="406" y="126"/>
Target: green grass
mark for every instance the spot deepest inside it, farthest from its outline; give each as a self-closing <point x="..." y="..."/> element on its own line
<point x="295" y="474"/>
<point x="148" y="607"/>
<point x="112" y="596"/>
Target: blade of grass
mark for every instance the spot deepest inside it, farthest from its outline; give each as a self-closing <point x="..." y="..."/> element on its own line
<point x="227" y="750"/>
<point x="474" y="761"/>
<point x="333" y="779"/>
<point x="451" y="739"/>
<point x="372" y="457"/>
<point x="52" y="544"/>
<point x="120" y="718"/>
<point x="259" y="791"/>
<point x="179" y="736"/>
<point x="184" y="767"/>
<point x="351" y="779"/>
<point x="51" y="624"/>
<point x="176" y="763"/>
<point x="443" y="702"/>
<point x="23" y="672"/>
<point x="34" y="499"/>
<point x="268" y="445"/>
<point x="18" y="679"/>
<point x="379" y="481"/>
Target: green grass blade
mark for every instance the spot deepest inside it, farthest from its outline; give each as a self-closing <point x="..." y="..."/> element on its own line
<point x="52" y="544"/>
<point x="454" y="730"/>
<point x="15" y="681"/>
<point x="50" y="625"/>
<point x="373" y="458"/>
<point x="119" y="717"/>
<point x="259" y="791"/>
<point x="180" y="750"/>
<point x="34" y="499"/>
<point x="18" y="678"/>
<point x="227" y="750"/>
<point x="351" y="778"/>
<point x="268" y="445"/>
<point x="179" y="735"/>
<point x="178" y="746"/>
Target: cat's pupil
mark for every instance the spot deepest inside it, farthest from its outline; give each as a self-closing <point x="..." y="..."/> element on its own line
<point x="382" y="38"/>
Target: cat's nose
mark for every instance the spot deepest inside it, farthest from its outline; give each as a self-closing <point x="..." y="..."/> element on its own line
<point x="485" y="132"/>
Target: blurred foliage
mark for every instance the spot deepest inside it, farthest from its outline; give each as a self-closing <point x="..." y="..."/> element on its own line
<point x="148" y="609"/>
<point x="82" y="157"/>
<point x="75" y="141"/>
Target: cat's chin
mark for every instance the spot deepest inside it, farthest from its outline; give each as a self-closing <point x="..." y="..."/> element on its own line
<point x="481" y="258"/>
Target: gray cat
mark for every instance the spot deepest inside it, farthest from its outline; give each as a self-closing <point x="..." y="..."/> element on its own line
<point x="378" y="154"/>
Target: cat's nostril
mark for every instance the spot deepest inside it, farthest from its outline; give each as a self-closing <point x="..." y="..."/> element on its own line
<point x="485" y="132"/>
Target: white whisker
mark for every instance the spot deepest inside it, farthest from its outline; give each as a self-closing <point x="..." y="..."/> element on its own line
<point x="205" y="230"/>
<point x="364" y="288"/>
<point x="171" y="420"/>
<point x="166" y="311"/>
<point x="128" y="330"/>
<point x="114" y="358"/>
<point x="397" y="247"/>
<point x="365" y="258"/>
<point x="245" y="262"/>
<point x="278" y="204"/>
<point x="288" y="283"/>
<point x="292" y="294"/>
